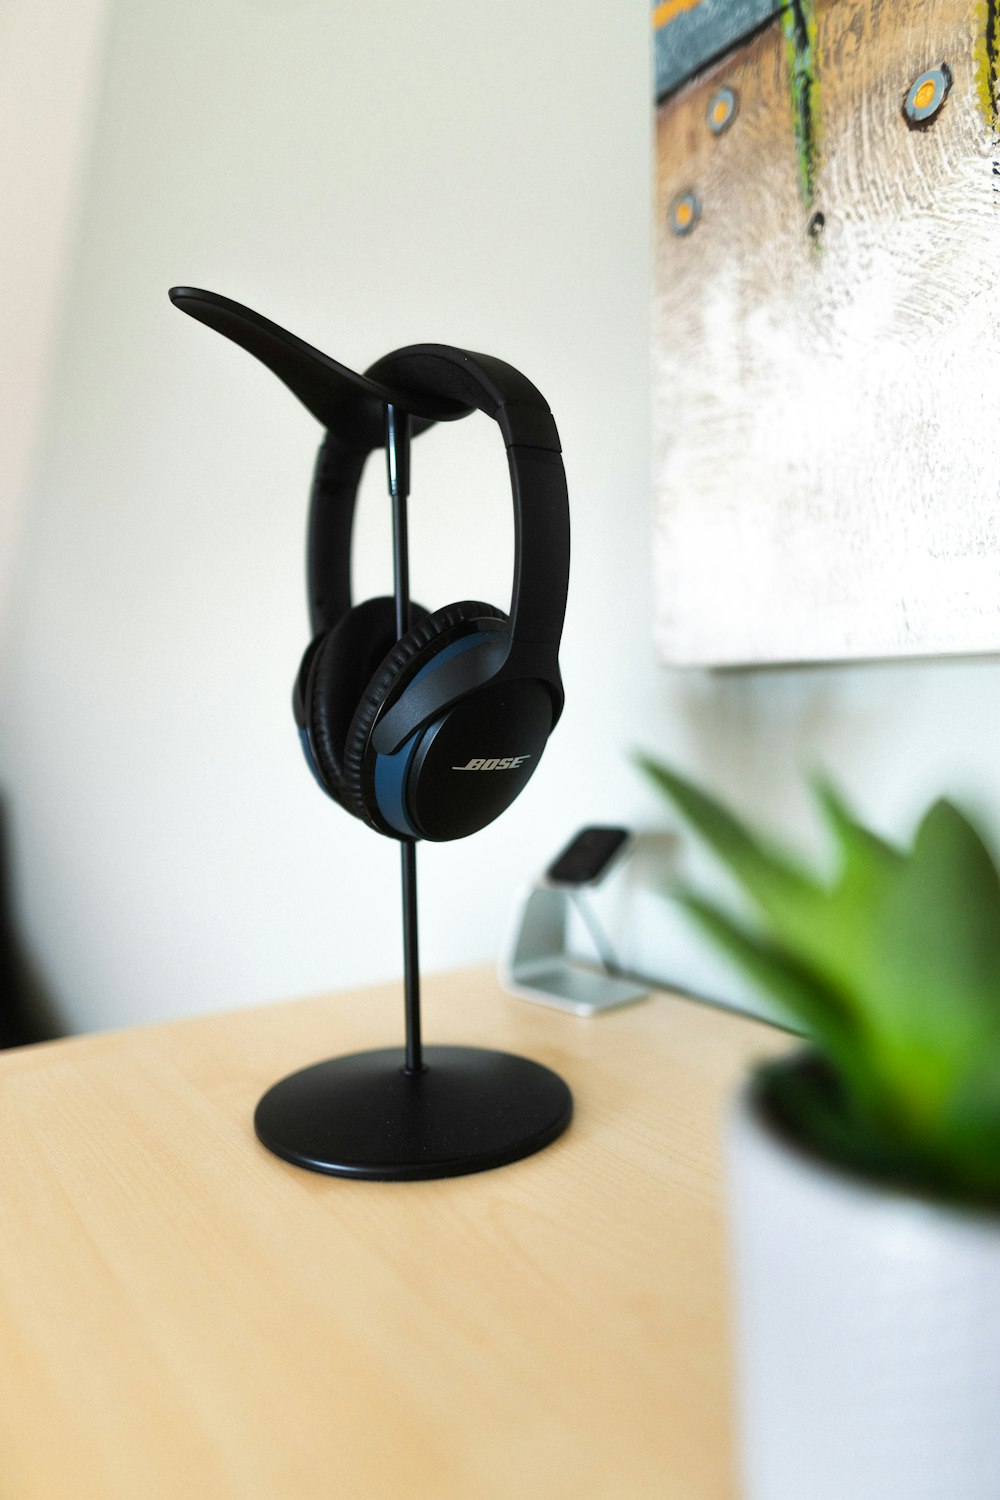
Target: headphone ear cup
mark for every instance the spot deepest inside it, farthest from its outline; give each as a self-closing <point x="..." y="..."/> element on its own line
<point x="338" y="668"/>
<point x="422" y="640"/>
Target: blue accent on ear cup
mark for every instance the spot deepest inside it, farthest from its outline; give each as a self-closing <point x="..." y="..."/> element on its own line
<point x="390" y="786"/>
<point x="391" y="770"/>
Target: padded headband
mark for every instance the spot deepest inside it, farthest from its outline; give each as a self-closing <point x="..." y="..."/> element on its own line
<point x="541" y="509"/>
<point x="433" y="372"/>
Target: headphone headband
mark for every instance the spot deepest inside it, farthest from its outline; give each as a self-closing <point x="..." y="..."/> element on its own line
<point x="433" y="371"/>
<point x="429" y="372"/>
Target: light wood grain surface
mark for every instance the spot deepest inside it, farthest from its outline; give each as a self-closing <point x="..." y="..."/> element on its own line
<point x="183" y="1315"/>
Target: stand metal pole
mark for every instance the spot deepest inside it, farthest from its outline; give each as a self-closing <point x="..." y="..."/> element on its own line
<point x="411" y="960"/>
<point x="397" y="447"/>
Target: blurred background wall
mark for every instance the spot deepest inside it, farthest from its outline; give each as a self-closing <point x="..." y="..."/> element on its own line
<point x="369" y="176"/>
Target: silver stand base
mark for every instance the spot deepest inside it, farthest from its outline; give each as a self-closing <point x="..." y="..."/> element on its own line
<point x="537" y="966"/>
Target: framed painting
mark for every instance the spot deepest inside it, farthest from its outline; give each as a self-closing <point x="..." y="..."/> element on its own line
<point x="826" y="330"/>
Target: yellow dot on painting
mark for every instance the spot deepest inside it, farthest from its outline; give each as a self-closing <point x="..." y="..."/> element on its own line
<point x="925" y="94"/>
<point x="720" y="111"/>
<point x="682" y="214"/>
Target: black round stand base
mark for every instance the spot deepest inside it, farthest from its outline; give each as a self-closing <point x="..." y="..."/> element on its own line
<point x="365" y="1116"/>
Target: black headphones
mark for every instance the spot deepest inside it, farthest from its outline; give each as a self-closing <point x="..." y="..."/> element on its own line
<point x="434" y="734"/>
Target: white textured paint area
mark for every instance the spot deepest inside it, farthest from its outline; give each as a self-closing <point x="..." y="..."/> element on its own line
<point x="827" y="471"/>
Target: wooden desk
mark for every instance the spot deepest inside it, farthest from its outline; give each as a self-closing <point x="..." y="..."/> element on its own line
<point x="185" y="1316"/>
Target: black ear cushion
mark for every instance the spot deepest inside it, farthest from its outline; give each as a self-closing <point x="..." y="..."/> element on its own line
<point x="417" y="642"/>
<point x="345" y="661"/>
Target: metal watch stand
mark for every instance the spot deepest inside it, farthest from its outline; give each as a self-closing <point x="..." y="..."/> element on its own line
<point x="538" y="967"/>
<point x="401" y="1113"/>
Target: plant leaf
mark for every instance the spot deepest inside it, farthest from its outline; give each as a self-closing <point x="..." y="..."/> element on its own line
<point x="804" y="996"/>
<point x="934" y="984"/>
<point x="846" y="931"/>
<point x="831" y="930"/>
<point x="893" y="966"/>
<point x="771" y="878"/>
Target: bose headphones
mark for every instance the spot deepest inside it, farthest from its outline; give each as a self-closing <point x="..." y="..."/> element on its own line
<point x="434" y="734"/>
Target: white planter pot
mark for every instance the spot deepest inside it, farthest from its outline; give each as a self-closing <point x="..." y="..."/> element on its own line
<point x="867" y="1330"/>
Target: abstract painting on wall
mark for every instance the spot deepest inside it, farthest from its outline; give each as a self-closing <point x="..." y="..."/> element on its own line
<point x="826" y="341"/>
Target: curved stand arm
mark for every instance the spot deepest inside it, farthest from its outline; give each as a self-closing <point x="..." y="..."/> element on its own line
<point x="349" y="404"/>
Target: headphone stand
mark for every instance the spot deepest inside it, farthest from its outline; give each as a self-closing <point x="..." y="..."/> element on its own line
<point x="399" y="1114"/>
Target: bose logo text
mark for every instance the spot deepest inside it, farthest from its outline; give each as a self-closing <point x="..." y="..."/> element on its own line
<point x="508" y="763"/>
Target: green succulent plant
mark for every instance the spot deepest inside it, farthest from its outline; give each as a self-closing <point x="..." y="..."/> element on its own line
<point x="892" y="968"/>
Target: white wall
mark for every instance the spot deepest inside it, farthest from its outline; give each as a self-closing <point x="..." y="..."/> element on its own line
<point x="369" y="176"/>
<point x="50" y="52"/>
